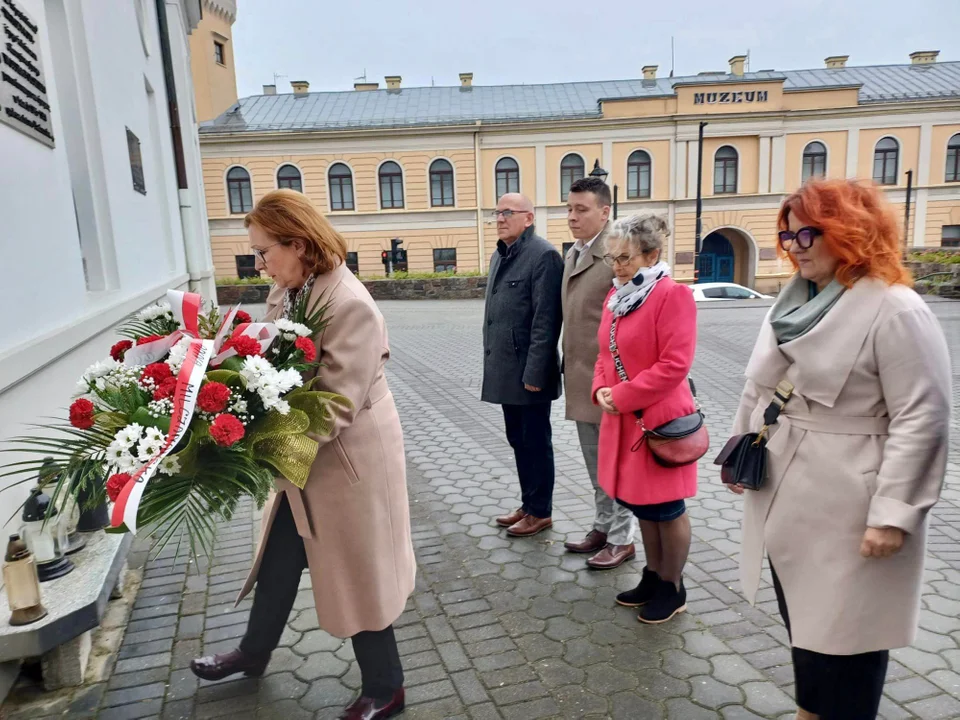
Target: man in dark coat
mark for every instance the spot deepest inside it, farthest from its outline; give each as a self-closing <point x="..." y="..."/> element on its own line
<point x="521" y="364"/>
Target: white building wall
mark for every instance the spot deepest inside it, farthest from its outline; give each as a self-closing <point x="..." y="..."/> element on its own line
<point x="99" y="85"/>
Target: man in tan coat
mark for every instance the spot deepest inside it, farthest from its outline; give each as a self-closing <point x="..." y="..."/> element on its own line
<point x="586" y="283"/>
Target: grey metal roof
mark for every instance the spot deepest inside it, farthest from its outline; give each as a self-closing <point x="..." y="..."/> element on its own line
<point x="430" y="106"/>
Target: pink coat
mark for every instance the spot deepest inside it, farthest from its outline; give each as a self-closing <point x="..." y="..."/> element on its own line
<point x="657" y="342"/>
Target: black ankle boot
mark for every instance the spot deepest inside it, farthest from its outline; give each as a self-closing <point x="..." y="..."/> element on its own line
<point x="666" y="602"/>
<point x="642" y="593"/>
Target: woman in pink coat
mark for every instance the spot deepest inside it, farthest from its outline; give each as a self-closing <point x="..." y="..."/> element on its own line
<point x="650" y="323"/>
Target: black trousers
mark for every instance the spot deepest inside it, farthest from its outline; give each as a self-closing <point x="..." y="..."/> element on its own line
<point x="531" y="437"/>
<point x="836" y="687"/>
<point x="284" y="560"/>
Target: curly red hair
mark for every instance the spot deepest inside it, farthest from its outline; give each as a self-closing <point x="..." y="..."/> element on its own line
<point x="859" y="227"/>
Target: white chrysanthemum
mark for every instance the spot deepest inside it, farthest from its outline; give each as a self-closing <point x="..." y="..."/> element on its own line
<point x="147" y="448"/>
<point x="129" y="436"/>
<point x="128" y="464"/>
<point x="301" y="330"/>
<point x="290" y="336"/>
<point x="98" y="370"/>
<point x="116" y="453"/>
<point x="153" y="312"/>
<point x="155" y="434"/>
<point x="82" y="388"/>
<point x="169" y="466"/>
<point x="284" y="325"/>
<point x="289" y="379"/>
<point x="282" y="407"/>
<point x="178" y="353"/>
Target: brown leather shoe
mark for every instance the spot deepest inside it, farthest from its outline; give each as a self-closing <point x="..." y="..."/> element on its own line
<point x="365" y="708"/>
<point x="218" y="667"/>
<point x="529" y="526"/>
<point x="594" y="541"/>
<point x="511" y="519"/>
<point x="612" y="556"/>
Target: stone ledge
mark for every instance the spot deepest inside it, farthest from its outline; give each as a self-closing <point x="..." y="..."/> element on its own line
<point x="75" y="602"/>
<point x="446" y="288"/>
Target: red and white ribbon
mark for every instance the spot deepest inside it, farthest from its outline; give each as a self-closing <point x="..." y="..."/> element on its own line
<point x="184" y="403"/>
<point x="264" y="333"/>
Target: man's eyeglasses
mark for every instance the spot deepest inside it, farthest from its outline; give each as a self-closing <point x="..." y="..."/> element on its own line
<point x="260" y="254"/>
<point x="803" y="237"/>
<point x="507" y="214"/>
<point x="610" y="260"/>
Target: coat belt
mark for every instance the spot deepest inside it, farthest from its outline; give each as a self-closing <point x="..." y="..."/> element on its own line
<point x="826" y="423"/>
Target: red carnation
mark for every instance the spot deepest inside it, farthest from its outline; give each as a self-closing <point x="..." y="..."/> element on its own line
<point x="116" y="484"/>
<point x="306" y="346"/>
<point x="117" y="351"/>
<point x="149" y="339"/>
<point x="81" y="414"/>
<point x="245" y="345"/>
<point x="166" y="389"/>
<point x="213" y="397"/>
<point x="242" y="317"/>
<point x="226" y="430"/>
<point x="158" y="372"/>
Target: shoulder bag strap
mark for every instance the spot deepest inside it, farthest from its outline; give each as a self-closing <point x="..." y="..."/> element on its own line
<point x="781" y="396"/>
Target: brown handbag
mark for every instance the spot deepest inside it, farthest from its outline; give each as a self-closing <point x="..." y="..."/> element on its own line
<point x="676" y="443"/>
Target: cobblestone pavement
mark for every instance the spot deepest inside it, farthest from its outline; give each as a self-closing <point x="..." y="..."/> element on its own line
<point x="517" y="629"/>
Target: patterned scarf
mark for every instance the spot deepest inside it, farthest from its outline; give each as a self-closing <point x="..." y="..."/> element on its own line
<point x="630" y="295"/>
<point x="291" y="297"/>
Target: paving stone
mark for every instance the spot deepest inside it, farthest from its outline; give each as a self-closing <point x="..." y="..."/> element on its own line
<point x="148" y="708"/>
<point x="629" y="706"/>
<point x="712" y="693"/>
<point x="325" y="693"/>
<point x="765" y="698"/>
<point x="322" y="664"/>
<point x="733" y="670"/>
<point x="682" y="665"/>
<point x="914" y="688"/>
<point x="936" y="708"/>
<point x="683" y="709"/>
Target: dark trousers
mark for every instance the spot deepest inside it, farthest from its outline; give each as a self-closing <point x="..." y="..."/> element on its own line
<point x="284" y="560"/>
<point x="531" y="437"/>
<point x="836" y="687"/>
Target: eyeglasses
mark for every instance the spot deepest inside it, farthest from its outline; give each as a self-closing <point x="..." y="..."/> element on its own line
<point x="507" y="214"/>
<point x="260" y="254"/>
<point x="803" y="237"/>
<point x="610" y="260"/>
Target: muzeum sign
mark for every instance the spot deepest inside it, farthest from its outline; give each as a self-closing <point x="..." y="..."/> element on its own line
<point x="729" y="97"/>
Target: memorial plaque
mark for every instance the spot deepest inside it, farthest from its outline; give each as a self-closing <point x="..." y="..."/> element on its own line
<point x="683" y="258"/>
<point x="136" y="162"/>
<point x="23" y="90"/>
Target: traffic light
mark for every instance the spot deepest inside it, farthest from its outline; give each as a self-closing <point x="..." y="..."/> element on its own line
<point x="385" y="257"/>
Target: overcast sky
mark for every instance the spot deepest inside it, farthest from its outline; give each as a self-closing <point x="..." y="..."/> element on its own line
<point x="330" y="43"/>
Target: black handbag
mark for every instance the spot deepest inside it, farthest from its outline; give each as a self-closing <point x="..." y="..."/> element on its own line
<point x="743" y="460"/>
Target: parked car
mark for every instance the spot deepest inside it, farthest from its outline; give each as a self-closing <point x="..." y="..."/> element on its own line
<point x="713" y="292"/>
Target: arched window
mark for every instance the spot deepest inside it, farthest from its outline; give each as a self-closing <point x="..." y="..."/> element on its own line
<point x="638" y="175"/>
<point x="725" y="171"/>
<point x="391" y="186"/>
<point x="341" y="187"/>
<point x="239" y="190"/>
<point x="508" y="176"/>
<point x="886" y="157"/>
<point x="953" y="159"/>
<point x="289" y="177"/>
<point x="814" y="160"/>
<point x="441" y="183"/>
<point x="571" y="170"/>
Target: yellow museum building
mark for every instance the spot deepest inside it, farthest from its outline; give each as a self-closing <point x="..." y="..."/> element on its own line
<point x="427" y="164"/>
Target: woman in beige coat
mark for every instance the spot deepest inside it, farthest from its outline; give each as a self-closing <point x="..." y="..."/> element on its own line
<point x="858" y="456"/>
<point x="351" y="523"/>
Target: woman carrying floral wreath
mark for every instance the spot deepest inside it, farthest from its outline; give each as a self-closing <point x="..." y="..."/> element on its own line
<point x="350" y="525"/>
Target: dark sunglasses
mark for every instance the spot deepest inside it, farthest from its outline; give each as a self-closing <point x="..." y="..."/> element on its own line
<point x="803" y="237"/>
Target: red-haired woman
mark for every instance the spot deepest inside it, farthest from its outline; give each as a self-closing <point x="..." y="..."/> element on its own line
<point x="858" y="456"/>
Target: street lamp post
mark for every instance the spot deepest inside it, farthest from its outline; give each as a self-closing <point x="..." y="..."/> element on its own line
<point x="599" y="172"/>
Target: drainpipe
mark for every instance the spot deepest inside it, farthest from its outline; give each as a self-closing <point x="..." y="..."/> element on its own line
<point x="479" y="185"/>
<point x="199" y="265"/>
<point x="699" y="227"/>
<point x="906" y="219"/>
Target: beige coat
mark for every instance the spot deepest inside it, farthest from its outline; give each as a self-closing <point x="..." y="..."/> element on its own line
<point x="354" y="514"/>
<point x="863" y="442"/>
<point x="583" y="294"/>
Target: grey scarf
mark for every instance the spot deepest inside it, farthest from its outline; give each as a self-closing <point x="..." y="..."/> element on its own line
<point x="799" y="308"/>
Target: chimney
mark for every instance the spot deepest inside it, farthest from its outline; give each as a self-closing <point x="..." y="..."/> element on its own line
<point x="836" y="61"/>
<point x="736" y="64"/>
<point x="393" y="82"/>
<point x="365" y="86"/>
<point x="650" y="72"/>
<point x="300" y="87"/>
<point x="269" y="89"/>
<point x="466" y="79"/>
<point x="924" y="57"/>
